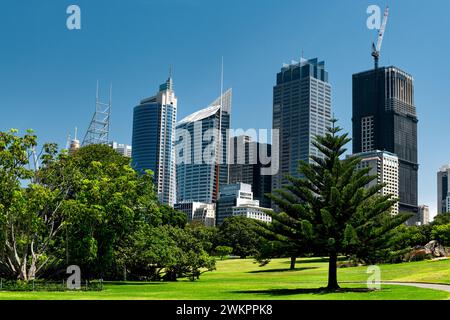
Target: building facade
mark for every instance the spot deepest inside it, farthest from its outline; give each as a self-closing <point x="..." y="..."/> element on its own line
<point x="120" y="148"/>
<point x="424" y="215"/>
<point x="385" y="166"/>
<point x="443" y="190"/>
<point x="204" y="213"/>
<point x="301" y="110"/>
<point x="154" y="121"/>
<point x="384" y="118"/>
<point x="237" y="199"/>
<point x="245" y="166"/>
<point x="202" y="151"/>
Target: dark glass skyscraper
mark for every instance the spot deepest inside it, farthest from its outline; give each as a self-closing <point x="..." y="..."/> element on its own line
<point x="245" y="166"/>
<point x="301" y="110"/>
<point x="154" y="122"/>
<point x="384" y="118"/>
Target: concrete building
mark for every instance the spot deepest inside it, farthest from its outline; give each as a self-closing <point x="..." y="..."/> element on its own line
<point x="204" y="213"/>
<point x="237" y="199"/>
<point x="385" y="166"/>
<point x="154" y="122"/>
<point x="424" y="214"/>
<point x="301" y="110"/>
<point x="246" y="164"/>
<point x="421" y="218"/>
<point x="123" y="149"/>
<point x="384" y="118"/>
<point x="443" y="190"/>
<point x="252" y="212"/>
<point x="202" y="151"/>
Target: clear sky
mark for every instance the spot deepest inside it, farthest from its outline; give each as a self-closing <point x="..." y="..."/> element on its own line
<point x="48" y="73"/>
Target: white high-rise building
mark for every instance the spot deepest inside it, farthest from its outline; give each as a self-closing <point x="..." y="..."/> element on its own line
<point x="385" y="166"/>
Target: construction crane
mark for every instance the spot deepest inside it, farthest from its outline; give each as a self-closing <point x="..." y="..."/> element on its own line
<point x="377" y="49"/>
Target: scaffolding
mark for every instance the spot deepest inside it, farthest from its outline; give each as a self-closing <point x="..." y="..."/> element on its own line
<point x="98" y="131"/>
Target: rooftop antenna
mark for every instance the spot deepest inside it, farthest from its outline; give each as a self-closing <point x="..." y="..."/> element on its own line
<point x="376" y="50"/>
<point x="219" y="139"/>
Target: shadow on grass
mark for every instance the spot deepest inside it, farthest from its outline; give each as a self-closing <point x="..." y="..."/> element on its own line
<point x="314" y="260"/>
<point x="319" y="291"/>
<point x="282" y="270"/>
<point x="133" y="283"/>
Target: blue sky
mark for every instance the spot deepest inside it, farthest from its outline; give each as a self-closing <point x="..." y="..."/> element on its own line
<point x="48" y="74"/>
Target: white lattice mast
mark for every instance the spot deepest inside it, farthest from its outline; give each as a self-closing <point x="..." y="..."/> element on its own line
<point x="98" y="131"/>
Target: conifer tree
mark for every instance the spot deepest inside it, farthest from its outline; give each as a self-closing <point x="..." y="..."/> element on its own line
<point x="330" y="210"/>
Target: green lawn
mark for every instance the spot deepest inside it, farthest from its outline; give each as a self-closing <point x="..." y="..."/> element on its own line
<point x="243" y="279"/>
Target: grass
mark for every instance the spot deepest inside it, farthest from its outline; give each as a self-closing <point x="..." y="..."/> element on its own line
<point x="237" y="279"/>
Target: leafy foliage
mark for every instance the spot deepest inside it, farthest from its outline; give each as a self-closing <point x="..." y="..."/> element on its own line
<point x="441" y="233"/>
<point x="240" y="234"/>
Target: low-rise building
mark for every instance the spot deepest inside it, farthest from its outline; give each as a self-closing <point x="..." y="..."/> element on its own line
<point x="198" y="211"/>
<point x="237" y="199"/>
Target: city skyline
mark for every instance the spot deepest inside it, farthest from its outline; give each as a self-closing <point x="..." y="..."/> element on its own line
<point x="59" y="84"/>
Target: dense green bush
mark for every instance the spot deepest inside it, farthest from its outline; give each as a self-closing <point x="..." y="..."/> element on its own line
<point x="441" y="233"/>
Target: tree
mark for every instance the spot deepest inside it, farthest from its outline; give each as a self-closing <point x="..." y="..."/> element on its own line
<point x="190" y="258"/>
<point x="30" y="212"/>
<point x="223" y="251"/>
<point x="442" y="218"/>
<point x="330" y="207"/>
<point x="240" y="234"/>
<point x="172" y="217"/>
<point x="108" y="201"/>
<point x="441" y="233"/>
<point x="208" y="236"/>
<point x="147" y="252"/>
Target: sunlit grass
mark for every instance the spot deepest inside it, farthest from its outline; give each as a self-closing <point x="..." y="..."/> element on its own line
<point x="237" y="279"/>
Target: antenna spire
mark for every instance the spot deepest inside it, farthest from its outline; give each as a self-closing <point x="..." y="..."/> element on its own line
<point x="221" y="83"/>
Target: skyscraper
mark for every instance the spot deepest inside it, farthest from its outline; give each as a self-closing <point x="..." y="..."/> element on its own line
<point x="301" y="110"/>
<point x="202" y="151"/>
<point x="246" y="164"/>
<point x="443" y="189"/>
<point x="384" y="165"/>
<point x="384" y="118"/>
<point x="154" y="121"/>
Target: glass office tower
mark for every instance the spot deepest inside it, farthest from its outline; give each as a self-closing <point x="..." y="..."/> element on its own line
<point x="154" y="121"/>
<point x="197" y="143"/>
<point x="301" y="110"/>
<point x="384" y="118"/>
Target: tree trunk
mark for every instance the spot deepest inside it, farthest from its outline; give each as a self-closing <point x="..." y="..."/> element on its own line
<point x="332" y="272"/>
<point x="293" y="259"/>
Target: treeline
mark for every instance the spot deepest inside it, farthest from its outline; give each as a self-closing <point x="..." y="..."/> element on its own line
<point x="89" y="209"/>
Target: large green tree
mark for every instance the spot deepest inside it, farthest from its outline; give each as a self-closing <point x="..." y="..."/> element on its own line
<point x="331" y="209"/>
<point x="240" y="233"/>
<point x="30" y="212"/>
<point x="108" y="200"/>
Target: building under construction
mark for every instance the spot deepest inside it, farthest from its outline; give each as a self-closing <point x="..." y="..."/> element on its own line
<point x="384" y="118"/>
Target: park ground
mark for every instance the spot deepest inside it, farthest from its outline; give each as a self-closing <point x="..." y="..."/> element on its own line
<point x="237" y="279"/>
